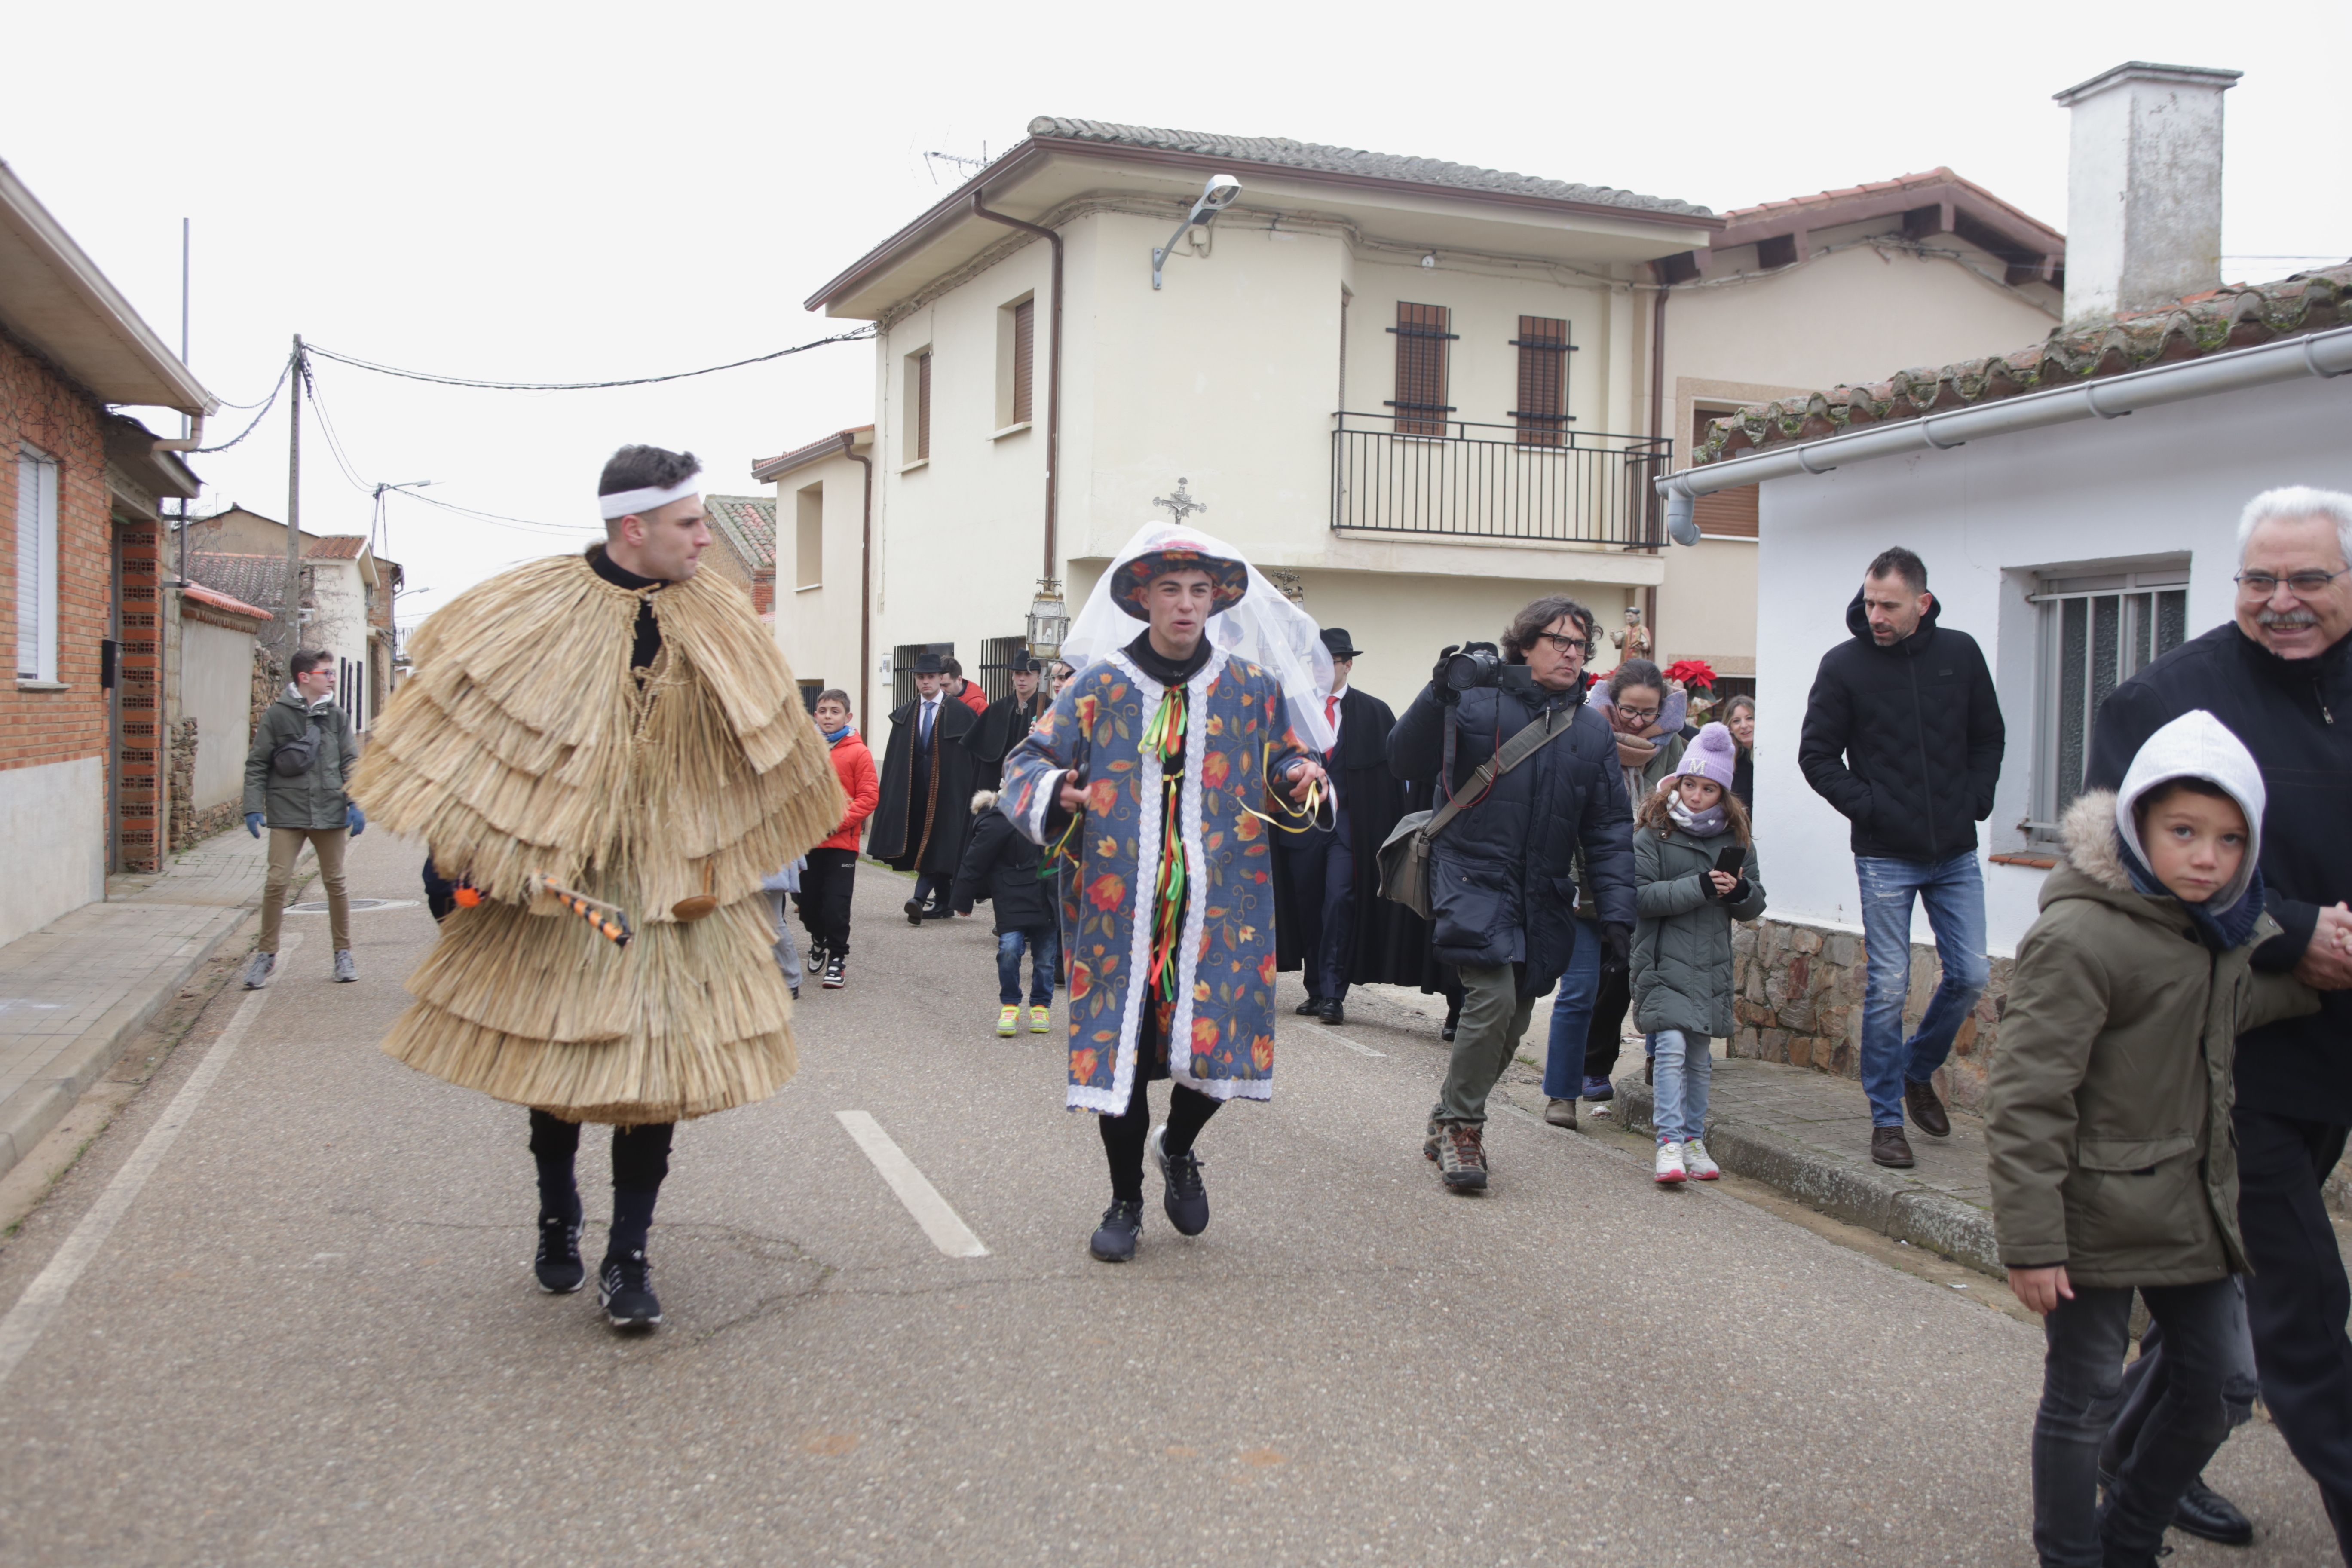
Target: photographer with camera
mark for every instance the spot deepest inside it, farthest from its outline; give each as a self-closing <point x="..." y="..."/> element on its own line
<point x="1501" y="884"/>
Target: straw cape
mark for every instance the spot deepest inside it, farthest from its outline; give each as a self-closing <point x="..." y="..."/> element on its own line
<point x="525" y="746"/>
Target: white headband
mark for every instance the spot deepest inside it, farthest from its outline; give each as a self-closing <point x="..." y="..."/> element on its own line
<point x="621" y="503"/>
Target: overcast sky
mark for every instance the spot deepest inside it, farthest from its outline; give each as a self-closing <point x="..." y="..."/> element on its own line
<point x="591" y="192"/>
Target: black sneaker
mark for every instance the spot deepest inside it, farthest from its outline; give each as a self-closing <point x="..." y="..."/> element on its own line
<point x="834" y="963"/>
<point x="1122" y="1222"/>
<point x="625" y="1288"/>
<point x="557" y="1265"/>
<point x="1188" y="1198"/>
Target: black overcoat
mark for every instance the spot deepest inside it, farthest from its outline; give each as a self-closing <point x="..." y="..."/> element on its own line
<point x="1375" y="798"/>
<point x="1001" y="729"/>
<point x="926" y="806"/>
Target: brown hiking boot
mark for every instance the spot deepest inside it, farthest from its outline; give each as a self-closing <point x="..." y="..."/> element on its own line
<point x="1890" y="1148"/>
<point x="1462" y="1157"/>
<point x="1927" y="1108"/>
<point x="1561" y="1113"/>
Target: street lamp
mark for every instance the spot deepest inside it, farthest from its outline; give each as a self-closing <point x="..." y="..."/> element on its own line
<point x="1049" y="621"/>
<point x="1216" y="197"/>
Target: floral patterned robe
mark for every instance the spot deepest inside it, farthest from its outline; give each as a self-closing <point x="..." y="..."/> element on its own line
<point x="1236" y="737"/>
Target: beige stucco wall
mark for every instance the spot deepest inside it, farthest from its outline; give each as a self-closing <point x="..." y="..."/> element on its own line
<point x="1227" y="378"/>
<point x="216" y="691"/>
<point x="817" y="625"/>
<point x="338" y="624"/>
<point x="1857" y="315"/>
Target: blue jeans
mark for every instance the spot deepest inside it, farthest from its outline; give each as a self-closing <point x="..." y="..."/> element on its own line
<point x="2081" y="1386"/>
<point x="1043" y="942"/>
<point x="1572" y="1014"/>
<point x="1685" y="1066"/>
<point x="1953" y="891"/>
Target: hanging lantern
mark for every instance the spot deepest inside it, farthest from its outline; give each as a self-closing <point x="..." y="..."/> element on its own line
<point x="1049" y="622"/>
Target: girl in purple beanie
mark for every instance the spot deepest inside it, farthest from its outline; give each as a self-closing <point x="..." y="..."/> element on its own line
<point x="1682" y="941"/>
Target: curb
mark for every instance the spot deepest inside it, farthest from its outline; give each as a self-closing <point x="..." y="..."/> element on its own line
<point x="1844" y="1188"/>
<point x="27" y="1116"/>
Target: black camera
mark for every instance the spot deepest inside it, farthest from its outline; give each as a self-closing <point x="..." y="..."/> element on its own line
<point x="1478" y="664"/>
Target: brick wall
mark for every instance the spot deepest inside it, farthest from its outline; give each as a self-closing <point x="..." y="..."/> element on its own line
<point x="38" y="407"/>
<point x="141" y="804"/>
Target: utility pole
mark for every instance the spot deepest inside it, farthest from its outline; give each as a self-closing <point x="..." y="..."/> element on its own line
<point x="293" y="591"/>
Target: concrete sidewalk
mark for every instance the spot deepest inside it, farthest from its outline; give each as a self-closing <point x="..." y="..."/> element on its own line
<point x="1808" y="1135"/>
<point x="74" y="992"/>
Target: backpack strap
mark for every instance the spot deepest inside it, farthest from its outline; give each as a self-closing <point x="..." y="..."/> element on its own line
<point x="1516" y="750"/>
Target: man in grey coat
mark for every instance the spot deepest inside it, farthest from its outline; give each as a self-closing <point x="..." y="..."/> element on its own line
<point x="302" y="756"/>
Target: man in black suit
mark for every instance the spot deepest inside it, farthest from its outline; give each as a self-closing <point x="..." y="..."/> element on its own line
<point x="1007" y="721"/>
<point x="1330" y="919"/>
<point x="925" y="806"/>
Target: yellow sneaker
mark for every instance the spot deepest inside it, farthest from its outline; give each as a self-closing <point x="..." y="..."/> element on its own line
<point x="1007" y="1019"/>
<point x="1041" y="1019"/>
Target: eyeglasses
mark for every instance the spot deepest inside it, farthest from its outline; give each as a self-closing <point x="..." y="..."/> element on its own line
<point x="1564" y="645"/>
<point x="1640" y="715"/>
<point x="2303" y="585"/>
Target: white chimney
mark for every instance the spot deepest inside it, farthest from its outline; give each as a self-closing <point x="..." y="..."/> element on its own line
<point x="2143" y="187"/>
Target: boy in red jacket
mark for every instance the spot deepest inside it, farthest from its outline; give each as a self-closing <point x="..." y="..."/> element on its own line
<point x="833" y="865"/>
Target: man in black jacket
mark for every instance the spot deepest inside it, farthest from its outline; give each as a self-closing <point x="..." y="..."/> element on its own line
<point x="1903" y="735"/>
<point x="1006" y="721"/>
<point x="1331" y="922"/>
<point x="925" y="806"/>
<point x="1502" y="880"/>
<point x="2280" y="677"/>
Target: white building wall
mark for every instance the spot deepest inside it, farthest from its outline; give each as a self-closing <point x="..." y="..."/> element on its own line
<point x="1987" y="517"/>
<point x="816" y="625"/>
<point x="338" y="624"/>
<point x="216" y="691"/>
<point x="53" y="818"/>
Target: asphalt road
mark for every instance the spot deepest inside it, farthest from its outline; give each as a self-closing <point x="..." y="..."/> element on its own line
<point x="312" y="1336"/>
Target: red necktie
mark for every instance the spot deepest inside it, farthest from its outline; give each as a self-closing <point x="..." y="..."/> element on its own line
<point x="1332" y="709"/>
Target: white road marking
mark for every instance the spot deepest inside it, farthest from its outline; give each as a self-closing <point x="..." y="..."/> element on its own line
<point x="947" y="1232"/>
<point x="1326" y="1034"/>
<point x="22" y="1327"/>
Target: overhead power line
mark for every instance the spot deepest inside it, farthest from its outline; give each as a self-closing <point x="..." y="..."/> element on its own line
<point x="849" y="337"/>
<point x="266" y="405"/>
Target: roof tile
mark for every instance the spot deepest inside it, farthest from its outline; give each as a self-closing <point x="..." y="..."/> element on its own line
<point x="2238" y="316"/>
<point x="750" y="524"/>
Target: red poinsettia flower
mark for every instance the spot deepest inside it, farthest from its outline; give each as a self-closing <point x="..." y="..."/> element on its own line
<point x="1692" y="672"/>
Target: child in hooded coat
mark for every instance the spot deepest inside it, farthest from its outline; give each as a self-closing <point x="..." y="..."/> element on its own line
<point x="1682" y="967"/>
<point x="1009" y="870"/>
<point x="2108" y="1130"/>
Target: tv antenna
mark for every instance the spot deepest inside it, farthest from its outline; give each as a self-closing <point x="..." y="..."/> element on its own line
<point x="957" y="159"/>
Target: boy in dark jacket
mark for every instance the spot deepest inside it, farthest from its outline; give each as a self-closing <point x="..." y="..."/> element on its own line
<point x="1001" y="864"/>
<point x="2112" y="1164"/>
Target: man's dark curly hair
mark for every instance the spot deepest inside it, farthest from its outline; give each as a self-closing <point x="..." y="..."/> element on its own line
<point x="1521" y="635"/>
<point x="646" y="469"/>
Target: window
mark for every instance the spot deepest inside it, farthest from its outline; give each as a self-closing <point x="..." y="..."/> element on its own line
<point x="1421" y="334"/>
<point x="1016" y="360"/>
<point x="1542" y="412"/>
<point x="1724" y="514"/>
<point x="808" y="536"/>
<point x="902" y="668"/>
<point x="37" y="565"/>
<point x="2096" y="631"/>
<point x="997" y="657"/>
<point x="916" y="408"/>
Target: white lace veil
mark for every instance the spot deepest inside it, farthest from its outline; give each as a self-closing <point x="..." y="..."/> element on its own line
<point x="1265" y="628"/>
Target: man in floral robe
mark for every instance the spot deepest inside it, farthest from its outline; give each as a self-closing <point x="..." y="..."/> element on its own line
<point x="1150" y="779"/>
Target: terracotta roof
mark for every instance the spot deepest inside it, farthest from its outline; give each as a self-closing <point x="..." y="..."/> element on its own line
<point x="336" y="546"/>
<point x="1282" y="151"/>
<point x="220" y="600"/>
<point x="254" y="579"/>
<point x="749" y="523"/>
<point x="768" y="469"/>
<point x="1904" y="183"/>
<point x="2239" y="316"/>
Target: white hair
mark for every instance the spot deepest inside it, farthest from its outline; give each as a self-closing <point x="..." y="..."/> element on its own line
<point x="2291" y="502"/>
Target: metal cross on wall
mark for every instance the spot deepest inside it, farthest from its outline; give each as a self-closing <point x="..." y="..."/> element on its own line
<point x="1179" y="505"/>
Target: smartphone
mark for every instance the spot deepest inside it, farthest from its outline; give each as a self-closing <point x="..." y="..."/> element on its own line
<point x="1732" y="861"/>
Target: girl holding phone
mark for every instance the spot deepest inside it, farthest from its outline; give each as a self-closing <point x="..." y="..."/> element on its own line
<point x="1695" y="872"/>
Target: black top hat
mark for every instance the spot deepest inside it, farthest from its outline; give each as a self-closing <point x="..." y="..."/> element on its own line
<point x="1025" y="664"/>
<point x="1340" y="643"/>
<point x="928" y="664"/>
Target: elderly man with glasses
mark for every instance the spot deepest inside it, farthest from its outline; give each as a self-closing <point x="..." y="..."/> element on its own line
<point x="1903" y="735"/>
<point x="2279" y="675"/>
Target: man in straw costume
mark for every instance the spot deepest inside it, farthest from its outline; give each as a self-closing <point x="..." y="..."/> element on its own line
<point x="621" y="730"/>
<point x="926" y="806"/>
<point x="1153" y="774"/>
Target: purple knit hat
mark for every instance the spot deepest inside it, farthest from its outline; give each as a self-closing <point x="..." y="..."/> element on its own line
<point x="1711" y="756"/>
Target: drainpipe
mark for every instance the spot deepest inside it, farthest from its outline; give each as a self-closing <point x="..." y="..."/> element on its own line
<point x="1052" y="380"/>
<point x="1657" y="432"/>
<point x="864" y="577"/>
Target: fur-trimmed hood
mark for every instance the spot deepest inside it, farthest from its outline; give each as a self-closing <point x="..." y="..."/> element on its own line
<point x="2088" y="832"/>
<point x="982" y="800"/>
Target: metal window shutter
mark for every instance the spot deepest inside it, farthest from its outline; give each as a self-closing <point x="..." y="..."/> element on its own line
<point x="1543" y="380"/>
<point x="1025" y="318"/>
<point x="1730" y="513"/>
<point x="1422" y="334"/>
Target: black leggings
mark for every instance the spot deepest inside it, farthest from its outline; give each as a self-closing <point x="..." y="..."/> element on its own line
<point x="1124" y="1136"/>
<point x="640" y="1161"/>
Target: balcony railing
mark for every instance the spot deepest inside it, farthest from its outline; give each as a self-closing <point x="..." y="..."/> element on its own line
<point x="1461" y="480"/>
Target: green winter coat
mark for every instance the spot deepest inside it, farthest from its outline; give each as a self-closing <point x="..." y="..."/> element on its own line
<point x="1682" y="943"/>
<point x="2107" y="1129"/>
<point x="311" y="800"/>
